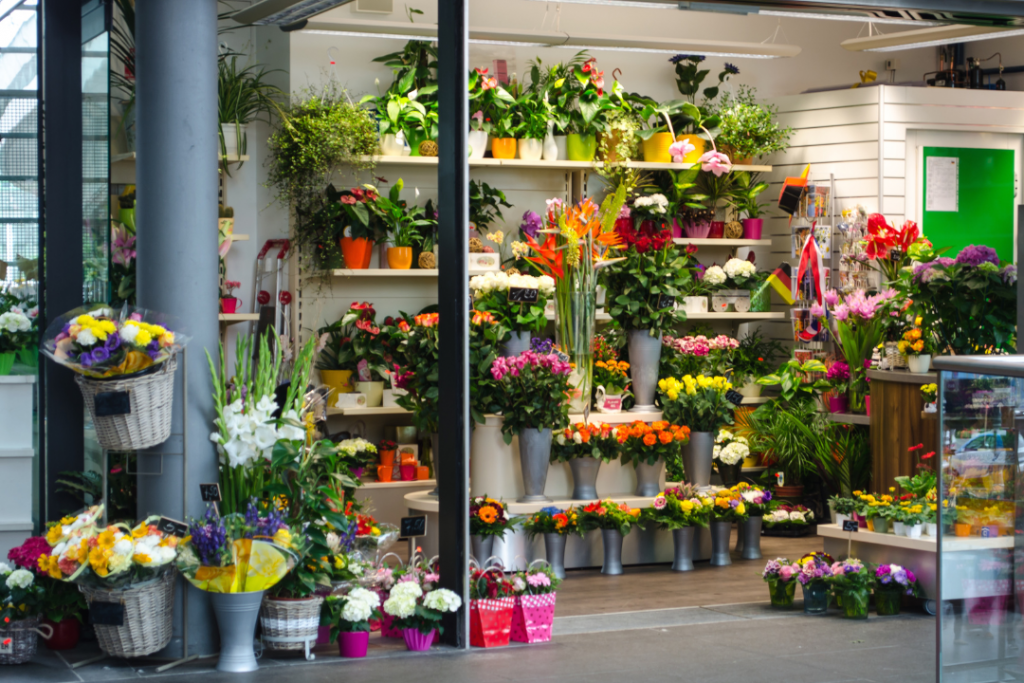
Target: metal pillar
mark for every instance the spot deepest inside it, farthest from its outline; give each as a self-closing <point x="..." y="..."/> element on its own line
<point x="61" y="438"/>
<point x="453" y="306"/>
<point x="176" y="96"/>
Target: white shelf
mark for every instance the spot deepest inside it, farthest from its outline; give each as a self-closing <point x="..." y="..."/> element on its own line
<point x="424" y="502"/>
<point x="736" y="316"/>
<point x="129" y="157"/>
<point x="561" y="164"/>
<point x="925" y="543"/>
<point x="384" y="272"/>
<point x="232" y="318"/>
<point x="756" y="400"/>
<point x="715" y="242"/>
<point x="365" y="412"/>
<point x="625" y="417"/>
<point x="236" y="237"/>
<point x="415" y="483"/>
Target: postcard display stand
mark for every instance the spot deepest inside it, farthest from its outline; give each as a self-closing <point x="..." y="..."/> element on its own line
<point x="816" y="214"/>
<point x="16" y="457"/>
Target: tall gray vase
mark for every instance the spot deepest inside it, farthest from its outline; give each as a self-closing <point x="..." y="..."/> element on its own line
<point x="750" y="530"/>
<point x="644" y="358"/>
<point x="584" y="478"/>
<point x="554" y="548"/>
<point x="720" y="531"/>
<point x="683" y="559"/>
<point x="648" y="478"/>
<point x="534" y="459"/>
<point x="519" y="342"/>
<point x="612" y="539"/>
<point x="435" y="450"/>
<point x="697" y="458"/>
<point x="236" y="617"/>
<point x="482" y="547"/>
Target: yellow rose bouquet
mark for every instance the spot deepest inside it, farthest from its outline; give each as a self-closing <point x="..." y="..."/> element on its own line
<point x="699" y="402"/>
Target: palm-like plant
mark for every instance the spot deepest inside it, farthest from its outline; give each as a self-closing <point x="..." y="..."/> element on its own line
<point x="243" y="95"/>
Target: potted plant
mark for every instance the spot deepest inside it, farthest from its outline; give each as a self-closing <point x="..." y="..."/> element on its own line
<point x="396" y="114"/>
<point x="611" y="385"/>
<point x="838" y="378"/>
<point x="680" y="509"/>
<point x="15" y="336"/>
<point x="781" y="577"/>
<point x="490" y="100"/>
<point x="648" y="447"/>
<point x="743" y="197"/>
<point x="357" y="453"/>
<point x="335" y="361"/>
<point x="485" y="204"/>
<point x="401" y="223"/>
<point x="417" y="613"/>
<point x="851" y="581"/>
<point x="615" y="521"/>
<point x="930" y="396"/>
<point x="555" y="524"/>
<point x="559" y="87"/>
<point x="917" y="345"/>
<point x="658" y="135"/>
<point x="228" y="302"/>
<point x="698" y="355"/>
<point x="815" y="571"/>
<point x="21" y="601"/>
<point x="417" y="375"/>
<point x="730" y="451"/>
<point x="62" y="605"/>
<point x="504" y="123"/>
<point x="584" y="446"/>
<point x="587" y="117"/>
<point x="488" y="519"/>
<point x="531" y="388"/>
<point x="532" y="115"/>
<point x="729" y="507"/>
<point x="689" y="78"/>
<point x="701" y="404"/>
<point x="620" y="140"/>
<point x="534" y="611"/>
<point x="748" y="129"/>
<point x="371" y="349"/>
<point x="348" y="617"/>
<point x="892" y="582"/>
<point x="517" y="302"/>
<point x="243" y="96"/>
<point x="753" y="358"/>
<point x="758" y="502"/>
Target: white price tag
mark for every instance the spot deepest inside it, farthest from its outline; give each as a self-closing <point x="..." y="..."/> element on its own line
<point x="6" y="646"/>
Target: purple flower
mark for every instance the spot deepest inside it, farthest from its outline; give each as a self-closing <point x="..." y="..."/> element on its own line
<point x="1009" y="274"/>
<point x="539" y="345"/>
<point x="100" y="354"/>
<point x="85" y="360"/>
<point x="975" y="255"/>
<point x="532" y="224"/>
<point x="839" y="371"/>
<point x="113" y="342"/>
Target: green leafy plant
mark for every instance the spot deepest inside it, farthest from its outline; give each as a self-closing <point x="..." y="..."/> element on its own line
<point x="531" y="388"/>
<point x="418" y="373"/>
<point x="532" y="114"/>
<point x="485" y="204"/>
<point x="243" y="96"/>
<point x="794" y="381"/>
<point x="642" y="286"/>
<point x="755" y="357"/>
<point x="556" y="85"/>
<point x="788" y="437"/>
<point x="400" y="221"/>
<point x="744" y="194"/>
<point x="749" y="129"/>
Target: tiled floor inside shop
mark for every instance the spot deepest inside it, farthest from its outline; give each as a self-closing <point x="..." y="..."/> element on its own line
<point x="713" y="625"/>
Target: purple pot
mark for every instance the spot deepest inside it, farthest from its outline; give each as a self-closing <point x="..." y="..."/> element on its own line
<point x="838" y="404"/>
<point x="323" y="635"/>
<point x="416" y="641"/>
<point x="752" y="228"/>
<point x="698" y="229"/>
<point x="357" y="472"/>
<point x="354" y="643"/>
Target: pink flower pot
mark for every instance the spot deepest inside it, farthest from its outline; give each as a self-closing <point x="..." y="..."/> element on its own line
<point x="752" y="228"/>
<point x="838" y="404"/>
<point x="408" y="472"/>
<point x="867" y="405"/>
<point x="532" y="618"/>
<point x="387" y="629"/>
<point x="862" y="521"/>
<point x="354" y="643"/>
<point x="416" y="641"/>
<point x="229" y="304"/>
<point x="698" y="229"/>
<point x="677" y="229"/>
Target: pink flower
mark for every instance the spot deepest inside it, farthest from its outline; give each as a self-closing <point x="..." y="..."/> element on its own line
<point x="817" y="311"/>
<point x="715" y="162"/>
<point x="624" y="212"/>
<point x="488" y="249"/>
<point x="841" y="312"/>
<point x="788" y="572"/>
<point x="479" y="116"/>
<point x="680" y="149"/>
<point x="660" y="502"/>
<point x="538" y="579"/>
<point x="831" y="298"/>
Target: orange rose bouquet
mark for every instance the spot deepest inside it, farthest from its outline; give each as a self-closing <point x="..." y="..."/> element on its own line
<point x="582" y="440"/>
<point x="640" y="442"/>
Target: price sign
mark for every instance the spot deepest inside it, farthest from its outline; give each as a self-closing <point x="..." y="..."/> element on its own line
<point x="780" y="479"/>
<point x="851" y="525"/>
<point x="106" y="613"/>
<point x="523" y="295"/>
<point x="210" y="493"/>
<point x="110" y="403"/>
<point x="6" y="646"/>
<point x="413" y="527"/>
<point x="666" y="301"/>
<point x="562" y="356"/>
<point x="734" y="397"/>
<point x="172" y="527"/>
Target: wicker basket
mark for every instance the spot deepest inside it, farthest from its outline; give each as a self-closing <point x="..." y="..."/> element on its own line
<point x="148" y="423"/>
<point x="896" y="359"/>
<point x="23" y="639"/>
<point x="290" y="624"/>
<point x="147" y="617"/>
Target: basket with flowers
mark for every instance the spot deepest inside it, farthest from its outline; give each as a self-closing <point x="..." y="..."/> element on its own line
<point x="491" y="600"/>
<point x="533" y="614"/>
<point x="781" y="577"/>
<point x="21" y="602"/>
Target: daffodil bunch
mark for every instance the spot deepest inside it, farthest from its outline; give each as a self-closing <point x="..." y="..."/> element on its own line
<point x="680" y="506"/>
<point x="698" y="402"/>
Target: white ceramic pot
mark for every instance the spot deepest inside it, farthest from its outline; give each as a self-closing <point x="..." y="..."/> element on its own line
<point x="389" y="396"/>
<point x="695" y="304"/>
<point x="600" y="295"/>
<point x="374" y="392"/>
<point x="560" y="143"/>
<point x="352" y="399"/>
<point x="751" y="389"/>
<point x="484" y="262"/>
<point x="899" y="528"/>
<point x="550" y="148"/>
<point x="914" y="530"/>
<point x="932" y="530"/>
<point x="530" y="149"/>
<point x="391" y="146"/>
<point x="919" y="364"/>
<point x="608" y="403"/>
<point x="477" y="144"/>
<point x="232" y="135"/>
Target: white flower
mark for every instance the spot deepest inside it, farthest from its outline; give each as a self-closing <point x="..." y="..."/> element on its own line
<point x="85" y="336"/>
<point x="547" y="285"/>
<point x="518" y="584"/>
<point x="714" y="275"/>
<point x="655" y="203"/>
<point x="560" y="439"/>
<point x="796" y="516"/>
<point x="290" y="432"/>
<point x="577" y="437"/>
<point x="372" y="598"/>
<point x="356" y="610"/>
<point x="400" y="606"/>
<point x="265" y="437"/>
<point x="443" y="600"/>
<point x="20" y="578"/>
<point x="5" y="569"/>
<point x="266" y="404"/>
<point x="733" y="453"/>
<point x="735" y="267"/>
<point x="128" y="332"/>
<point x="407" y="588"/>
<point x="123" y="547"/>
<point x="723" y="436"/>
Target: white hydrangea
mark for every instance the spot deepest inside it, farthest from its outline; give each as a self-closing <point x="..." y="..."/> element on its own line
<point x="733" y="453"/>
<point x="400" y="606"/>
<point x="371" y="598"/>
<point x="407" y="588"/>
<point x="735" y="268"/>
<point x="443" y="600"/>
<point x="356" y="610"/>
<point x="20" y="578"/>
<point x="653" y="203"/>
<point x="15" y="322"/>
<point x="724" y="436"/>
<point x="714" y="276"/>
<point x="5" y="569"/>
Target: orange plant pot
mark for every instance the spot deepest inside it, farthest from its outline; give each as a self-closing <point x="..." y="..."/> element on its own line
<point x="400" y="258"/>
<point x="384" y="472"/>
<point x="356" y="252"/>
<point x="503" y="148"/>
<point x="422" y="473"/>
<point x="961" y="529"/>
<point x="387" y="458"/>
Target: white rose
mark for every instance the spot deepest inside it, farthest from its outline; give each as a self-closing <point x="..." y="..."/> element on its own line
<point x="577" y="437"/>
<point x="560" y="439"/>
<point x="20" y="578"/>
<point x="796" y="516"/>
<point x="547" y="285"/>
<point x="714" y="276"/>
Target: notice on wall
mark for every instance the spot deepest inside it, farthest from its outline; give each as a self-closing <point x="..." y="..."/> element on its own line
<point x="941" y="193"/>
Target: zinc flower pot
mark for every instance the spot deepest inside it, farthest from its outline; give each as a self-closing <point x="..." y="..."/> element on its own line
<point x="656" y="148"/>
<point x="720" y="532"/>
<point x="697" y="458"/>
<point x="644" y="358"/>
<point x="855" y="603"/>
<point x="416" y="641"/>
<point x="887" y="603"/>
<point x="534" y="459"/>
<point x="752" y="228"/>
<point x="648" y="479"/>
<point x="517" y="343"/>
<point x="503" y="148"/>
<point x="400" y="258"/>
<point x="682" y="558"/>
<point x="530" y="149"/>
<point x="581" y="147"/>
<point x="919" y="364"/>
<point x="236" y="619"/>
<point x="750" y="531"/>
<point x="477" y="144"/>
<point x="815" y="597"/>
<point x="353" y="644"/>
<point x="482" y="547"/>
<point x="782" y="592"/>
<point x="554" y="550"/>
<point x="356" y="252"/>
<point x="584" y="478"/>
<point x="730" y="473"/>
<point x="612" y="539"/>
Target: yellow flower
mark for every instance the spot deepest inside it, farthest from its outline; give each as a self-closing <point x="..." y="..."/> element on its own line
<point x="686" y="505"/>
<point x="54" y="535"/>
<point x="140" y="531"/>
<point x="143" y="338"/>
<point x="741" y="508"/>
<point x="283" y="538"/>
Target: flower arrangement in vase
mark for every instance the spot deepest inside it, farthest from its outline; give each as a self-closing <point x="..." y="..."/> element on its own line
<point x="930" y="396"/>
<point x="609" y="515"/>
<point x="852" y="581"/>
<point x="815" y="570"/>
<point x="698" y="402"/>
<point x="649" y="447"/>
<point x="892" y="582"/>
<point x="781" y="577"/>
<point x="680" y="507"/>
<point x="918" y="345"/>
<point x="228" y="302"/>
<point x="555" y="525"/>
<point x="488" y="519"/>
<point x="516" y="301"/>
<point x="697" y="355"/>
<point x="730" y="451"/>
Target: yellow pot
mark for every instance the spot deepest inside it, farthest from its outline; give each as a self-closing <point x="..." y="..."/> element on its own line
<point x="339" y="381"/>
<point x="503" y="148"/>
<point x="699" y="143"/>
<point x="656" y="148"/>
<point x="400" y="258"/>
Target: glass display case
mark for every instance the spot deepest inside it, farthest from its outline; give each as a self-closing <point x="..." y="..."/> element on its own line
<point x="978" y="514"/>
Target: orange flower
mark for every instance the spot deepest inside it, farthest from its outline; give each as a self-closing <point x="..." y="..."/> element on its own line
<point x="659" y="425"/>
<point x="487" y="514"/>
<point x="665" y="437"/>
<point x="650" y="439"/>
<point x="622" y="434"/>
<point x="481" y="317"/>
<point x="637" y="429"/>
<point x="585" y="436"/>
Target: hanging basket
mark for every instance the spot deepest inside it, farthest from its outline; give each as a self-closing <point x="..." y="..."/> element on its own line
<point x="290" y="624"/>
<point x="18" y="640"/>
<point x="147" y="623"/>
<point x="148" y="420"/>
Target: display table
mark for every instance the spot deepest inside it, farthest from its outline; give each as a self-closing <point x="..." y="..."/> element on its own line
<point x="385" y="500"/>
<point x="896" y="423"/>
<point x="976" y="572"/>
<point x="517" y="550"/>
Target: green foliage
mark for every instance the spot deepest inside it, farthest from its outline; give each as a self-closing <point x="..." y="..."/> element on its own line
<point x="485" y="203"/>
<point x="243" y="96"/>
<point x="485" y="340"/>
<point x="789" y="437"/>
<point x="748" y="127"/>
<point x="401" y="222"/>
<point x="636" y="284"/>
<point x="795" y="385"/>
<point x="755" y="357"/>
<point x="608" y="515"/>
<point x="745" y="192"/>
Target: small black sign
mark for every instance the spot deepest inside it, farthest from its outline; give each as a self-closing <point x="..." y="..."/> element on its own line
<point x="172" y="527"/>
<point x="110" y="403"/>
<point x="413" y="527"/>
<point x="850" y="525"/>
<point x="562" y="356"/>
<point x="106" y="613"/>
<point x="734" y="397"/>
<point x="210" y="493"/>
<point x="666" y="301"/>
<point x="523" y="295"/>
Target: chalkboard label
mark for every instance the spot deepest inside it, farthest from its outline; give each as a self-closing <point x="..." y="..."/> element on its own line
<point x="106" y="613"/>
<point x="172" y="527"/>
<point x="666" y="301"/>
<point x="413" y="527"/>
<point x="110" y="403"/>
<point x="562" y="356"/>
<point x="523" y="295"/>
<point x="850" y="525"/>
<point x="734" y="397"/>
<point x="6" y="646"/>
<point x="210" y="493"/>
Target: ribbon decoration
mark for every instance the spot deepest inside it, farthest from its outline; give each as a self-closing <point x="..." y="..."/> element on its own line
<point x="810" y="258"/>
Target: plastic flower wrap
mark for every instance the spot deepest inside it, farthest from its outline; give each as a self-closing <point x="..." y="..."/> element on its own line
<point x="237" y="553"/>
<point x="373" y="537"/>
<point x="101" y="342"/>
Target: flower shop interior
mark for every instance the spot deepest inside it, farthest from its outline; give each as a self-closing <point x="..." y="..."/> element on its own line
<point x="740" y="318"/>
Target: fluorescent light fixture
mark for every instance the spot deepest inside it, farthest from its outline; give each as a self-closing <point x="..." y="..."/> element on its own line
<point x="927" y="37"/>
<point x="828" y="16"/>
<point x="283" y="12"/>
<point x="528" y="38"/>
<point x="670" y="4"/>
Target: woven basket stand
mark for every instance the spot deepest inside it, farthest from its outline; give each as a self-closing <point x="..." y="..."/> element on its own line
<point x="290" y="624"/>
<point x="23" y="635"/>
<point x="147" y="617"/>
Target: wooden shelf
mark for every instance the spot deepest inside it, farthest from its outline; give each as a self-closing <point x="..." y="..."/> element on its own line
<point x="236" y="237"/>
<point x="780" y="315"/>
<point x="756" y="400"/>
<point x="715" y="242"/>
<point x="366" y="412"/>
<point x="625" y="417"/>
<point x="850" y="418"/>
<point x="232" y="318"/>
<point x="129" y="157"/>
<point x="384" y="272"/>
<point x="561" y="164"/>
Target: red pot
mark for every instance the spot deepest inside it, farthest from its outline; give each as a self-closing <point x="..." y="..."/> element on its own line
<point x="229" y="304"/>
<point x="356" y="252"/>
<point x="408" y="472"/>
<point x="717" y="230"/>
<point x="65" y="634"/>
<point x="838" y="404"/>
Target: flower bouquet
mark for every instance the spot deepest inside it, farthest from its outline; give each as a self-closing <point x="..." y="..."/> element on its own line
<point x="348" y="617"/>
<point x="852" y="581"/>
<point x="918" y="345"/>
<point x="697" y="355"/>
<point x="680" y="507"/>
<point x="930" y="396"/>
<point x="555" y="525"/>
<point x="729" y="507"/>
<point x="756" y="498"/>
<point x="789" y="520"/>
<point x="359" y="453"/>
<point x="892" y="582"/>
<point x="491" y="600"/>
<point x="730" y="451"/>
<point x="488" y="519"/>
<point x="649" y="447"/>
<point x="533" y="614"/>
<point x="417" y="612"/>
<point x="614" y="520"/>
<point x="781" y="576"/>
<point x="611" y="385"/>
<point x="63" y="605"/>
<point x="500" y="294"/>
<point x="697" y="402"/>
<point x="815" y="570"/>
<point x="16" y="335"/>
<point x="21" y="601"/>
<point x="584" y="446"/>
<point x="889" y="247"/>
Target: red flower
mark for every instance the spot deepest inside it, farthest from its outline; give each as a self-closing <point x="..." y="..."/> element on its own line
<point x="348" y="199"/>
<point x="361" y="306"/>
<point x="928" y="455"/>
<point x="691" y="248"/>
<point x="368" y="327"/>
<point x="482" y="72"/>
<point x="915" y="448"/>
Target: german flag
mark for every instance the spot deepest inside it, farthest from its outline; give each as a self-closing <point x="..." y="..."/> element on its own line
<point x="781" y="280"/>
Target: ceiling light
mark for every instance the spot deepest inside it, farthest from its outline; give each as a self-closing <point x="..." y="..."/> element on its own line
<point x="847" y="17"/>
<point x="670" y="4"/>
<point x="283" y="12"/>
<point x="927" y="37"/>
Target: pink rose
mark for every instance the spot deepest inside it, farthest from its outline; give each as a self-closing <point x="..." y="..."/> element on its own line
<point x="787" y="572"/>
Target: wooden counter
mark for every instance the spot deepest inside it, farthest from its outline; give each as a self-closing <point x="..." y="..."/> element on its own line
<point x="897" y="424"/>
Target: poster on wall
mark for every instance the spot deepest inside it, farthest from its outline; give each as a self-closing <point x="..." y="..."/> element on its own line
<point x="941" y="192"/>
